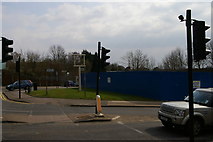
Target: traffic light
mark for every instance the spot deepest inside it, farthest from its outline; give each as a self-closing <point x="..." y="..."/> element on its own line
<point x="199" y="40"/>
<point x="104" y="57"/>
<point x="6" y="50"/>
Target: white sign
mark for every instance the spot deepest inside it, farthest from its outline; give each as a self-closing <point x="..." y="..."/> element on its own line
<point x="79" y="60"/>
<point x="50" y="70"/>
<point x="196" y="84"/>
<point x="108" y="79"/>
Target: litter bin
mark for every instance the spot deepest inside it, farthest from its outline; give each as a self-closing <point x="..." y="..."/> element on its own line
<point x="35" y="86"/>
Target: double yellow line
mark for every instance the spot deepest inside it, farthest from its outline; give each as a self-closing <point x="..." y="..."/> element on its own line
<point x="4" y="98"/>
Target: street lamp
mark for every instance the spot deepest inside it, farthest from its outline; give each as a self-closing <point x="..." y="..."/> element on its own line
<point x="67" y="78"/>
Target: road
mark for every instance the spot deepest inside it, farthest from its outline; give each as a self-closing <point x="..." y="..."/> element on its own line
<point x="55" y="122"/>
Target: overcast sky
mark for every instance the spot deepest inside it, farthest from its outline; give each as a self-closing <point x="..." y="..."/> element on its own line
<point x="152" y="27"/>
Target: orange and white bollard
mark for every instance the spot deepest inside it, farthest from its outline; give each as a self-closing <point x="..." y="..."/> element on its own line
<point x="98" y="104"/>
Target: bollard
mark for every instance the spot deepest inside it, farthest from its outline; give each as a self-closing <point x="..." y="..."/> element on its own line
<point x="98" y="104"/>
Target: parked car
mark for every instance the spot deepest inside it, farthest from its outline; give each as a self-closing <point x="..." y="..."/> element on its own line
<point x="24" y="85"/>
<point x="176" y="113"/>
<point x="69" y="83"/>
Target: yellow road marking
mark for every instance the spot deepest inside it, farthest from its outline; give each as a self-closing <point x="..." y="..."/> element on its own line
<point x="2" y="96"/>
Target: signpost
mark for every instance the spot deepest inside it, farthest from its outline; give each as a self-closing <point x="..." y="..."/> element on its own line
<point x="48" y="70"/>
<point x="79" y="61"/>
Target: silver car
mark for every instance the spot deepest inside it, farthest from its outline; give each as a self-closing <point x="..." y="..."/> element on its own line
<point x="176" y="113"/>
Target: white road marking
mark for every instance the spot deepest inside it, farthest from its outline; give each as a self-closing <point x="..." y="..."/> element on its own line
<point x="69" y="120"/>
<point x="31" y="113"/>
<point x="157" y="120"/>
<point x="114" y="118"/>
<point x="154" y="120"/>
<point x="119" y="122"/>
<point x="136" y="130"/>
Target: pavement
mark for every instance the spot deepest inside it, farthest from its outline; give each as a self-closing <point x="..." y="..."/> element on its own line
<point x="25" y="98"/>
<point x="13" y="96"/>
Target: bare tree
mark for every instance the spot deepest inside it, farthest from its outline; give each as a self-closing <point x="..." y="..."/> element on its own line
<point x="138" y="60"/>
<point x="209" y="57"/>
<point x="58" y="57"/>
<point x="175" y="60"/>
<point x="32" y="57"/>
<point x="57" y="53"/>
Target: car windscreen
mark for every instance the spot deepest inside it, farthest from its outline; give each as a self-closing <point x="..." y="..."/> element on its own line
<point x="202" y="98"/>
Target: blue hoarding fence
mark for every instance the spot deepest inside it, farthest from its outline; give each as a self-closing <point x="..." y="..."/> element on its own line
<point x="158" y="85"/>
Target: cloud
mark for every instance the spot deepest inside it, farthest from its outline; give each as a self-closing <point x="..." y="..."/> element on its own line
<point x="121" y="27"/>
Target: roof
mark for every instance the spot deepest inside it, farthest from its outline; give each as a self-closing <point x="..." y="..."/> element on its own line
<point x="205" y="89"/>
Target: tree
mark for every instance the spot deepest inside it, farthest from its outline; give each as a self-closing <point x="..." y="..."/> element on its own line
<point x="210" y="56"/>
<point x="208" y="62"/>
<point x="138" y="60"/>
<point x="58" y="57"/>
<point x="91" y="61"/>
<point x="57" y="53"/>
<point x="175" y="60"/>
<point x="115" y="67"/>
<point x="30" y="64"/>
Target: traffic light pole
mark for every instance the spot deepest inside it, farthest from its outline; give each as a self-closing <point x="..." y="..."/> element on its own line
<point x="190" y="82"/>
<point x="98" y="73"/>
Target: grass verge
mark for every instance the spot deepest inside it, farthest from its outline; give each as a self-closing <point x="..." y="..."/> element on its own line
<point x="88" y="94"/>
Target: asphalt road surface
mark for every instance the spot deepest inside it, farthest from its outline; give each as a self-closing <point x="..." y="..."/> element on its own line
<point x="54" y="122"/>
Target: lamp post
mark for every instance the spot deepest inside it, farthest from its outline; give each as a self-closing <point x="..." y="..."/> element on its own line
<point x="67" y="78"/>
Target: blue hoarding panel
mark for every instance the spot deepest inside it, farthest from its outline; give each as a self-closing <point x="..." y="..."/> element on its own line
<point x="156" y="85"/>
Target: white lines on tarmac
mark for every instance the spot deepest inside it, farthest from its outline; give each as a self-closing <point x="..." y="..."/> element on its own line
<point x="136" y="130"/>
<point x="155" y="120"/>
<point x="114" y="118"/>
<point x="66" y="116"/>
<point x="31" y="113"/>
